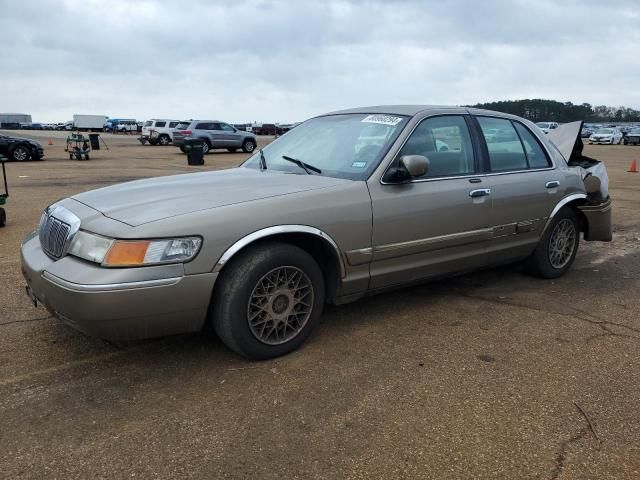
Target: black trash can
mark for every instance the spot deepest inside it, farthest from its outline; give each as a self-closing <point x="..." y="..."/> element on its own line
<point x="195" y="151"/>
<point x="94" y="138"/>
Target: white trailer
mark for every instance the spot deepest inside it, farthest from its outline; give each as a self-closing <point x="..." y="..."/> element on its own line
<point x="89" y="122"/>
<point x="14" y="120"/>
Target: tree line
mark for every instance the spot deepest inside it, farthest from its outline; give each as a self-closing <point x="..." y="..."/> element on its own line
<point x="539" y="110"/>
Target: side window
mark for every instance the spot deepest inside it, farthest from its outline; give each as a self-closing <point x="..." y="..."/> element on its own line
<point x="160" y="124"/>
<point x="226" y="127"/>
<point x="172" y="124"/>
<point x="505" y="149"/>
<point x="205" y="126"/>
<point x="215" y="126"/>
<point x="535" y="154"/>
<point x="446" y="142"/>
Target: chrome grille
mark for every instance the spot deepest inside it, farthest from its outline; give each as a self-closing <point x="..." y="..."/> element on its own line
<point x="53" y="236"/>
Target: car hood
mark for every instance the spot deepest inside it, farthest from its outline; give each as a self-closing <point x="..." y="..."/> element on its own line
<point x="23" y="139"/>
<point x="144" y="201"/>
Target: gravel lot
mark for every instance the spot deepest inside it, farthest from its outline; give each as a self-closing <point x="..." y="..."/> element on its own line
<point x="489" y="375"/>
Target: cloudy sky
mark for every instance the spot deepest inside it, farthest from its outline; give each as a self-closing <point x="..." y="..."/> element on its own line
<point x="270" y="60"/>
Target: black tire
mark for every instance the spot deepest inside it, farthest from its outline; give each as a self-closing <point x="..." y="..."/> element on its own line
<point x="248" y="145"/>
<point x="3" y="217"/>
<point x="206" y="147"/>
<point x="21" y="153"/>
<point x="626" y="142"/>
<point x="153" y="141"/>
<point x="164" y="140"/>
<point x="239" y="281"/>
<point x="183" y="150"/>
<point x="540" y="263"/>
<point x="232" y="150"/>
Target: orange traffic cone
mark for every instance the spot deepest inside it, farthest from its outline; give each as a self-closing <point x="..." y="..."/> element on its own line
<point x="50" y="141"/>
<point x="634" y="167"/>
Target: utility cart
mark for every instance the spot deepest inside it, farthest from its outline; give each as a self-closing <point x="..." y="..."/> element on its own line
<point x="78" y="146"/>
<point x="3" y="196"/>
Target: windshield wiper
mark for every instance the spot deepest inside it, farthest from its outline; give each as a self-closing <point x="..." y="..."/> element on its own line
<point x="305" y="166"/>
<point x="263" y="161"/>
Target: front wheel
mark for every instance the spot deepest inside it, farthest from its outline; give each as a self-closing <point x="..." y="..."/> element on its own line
<point x="558" y="246"/>
<point x="248" y="146"/>
<point x="20" y="153"/>
<point x="269" y="300"/>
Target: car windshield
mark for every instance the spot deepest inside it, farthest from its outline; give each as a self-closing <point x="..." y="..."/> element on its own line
<point x="148" y="123"/>
<point x="344" y="146"/>
<point x="605" y="131"/>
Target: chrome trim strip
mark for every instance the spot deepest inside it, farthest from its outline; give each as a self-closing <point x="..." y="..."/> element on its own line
<point x="108" y="287"/>
<point x="278" y="229"/>
<point x="560" y="204"/>
<point x="359" y="256"/>
<point x="421" y="245"/>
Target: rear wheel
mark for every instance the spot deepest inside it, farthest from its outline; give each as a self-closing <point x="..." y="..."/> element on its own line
<point x="183" y="150"/>
<point x="269" y="300"/>
<point x="164" y="140"/>
<point x="248" y="145"/>
<point x="206" y="147"/>
<point x="557" y="248"/>
<point x="21" y="153"/>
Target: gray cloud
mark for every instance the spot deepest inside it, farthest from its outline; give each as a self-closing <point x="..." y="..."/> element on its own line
<point x="287" y="60"/>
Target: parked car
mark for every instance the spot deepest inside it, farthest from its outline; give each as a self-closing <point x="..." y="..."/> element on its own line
<point x="216" y="134"/>
<point x="633" y="137"/>
<point x="20" y="149"/>
<point x="159" y="131"/>
<point x="606" y="135"/>
<point x="547" y="126"/>
<point x="256" y="251"/>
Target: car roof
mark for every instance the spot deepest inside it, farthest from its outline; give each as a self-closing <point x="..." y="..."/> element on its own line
<point x="198" y="121"/>
<point x="412" y="110"/>
<point x="409" y="110"/>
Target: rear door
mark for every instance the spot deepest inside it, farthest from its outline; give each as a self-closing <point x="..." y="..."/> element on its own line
<point x="438" y="223"/>
<point x="525" y="186"/>
<point x="231" y="137"/>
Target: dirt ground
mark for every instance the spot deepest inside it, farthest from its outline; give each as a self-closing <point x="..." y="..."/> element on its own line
<point x="489" y="375"/>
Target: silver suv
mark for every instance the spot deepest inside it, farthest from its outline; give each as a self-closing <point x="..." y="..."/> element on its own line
<point x="216" y="134"/>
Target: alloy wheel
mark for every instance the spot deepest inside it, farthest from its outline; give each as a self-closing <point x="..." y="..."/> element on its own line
<point x="280" y="305"/>
<point x="562" y="243"/>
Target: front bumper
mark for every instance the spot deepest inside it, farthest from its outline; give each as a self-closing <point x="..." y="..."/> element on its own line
<point x="117" y="304"/>
<point x="600" y="140"/>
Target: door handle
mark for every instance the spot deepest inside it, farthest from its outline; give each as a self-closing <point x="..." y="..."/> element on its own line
<point x="480" y="192"/>
<point x="552" y="184"/>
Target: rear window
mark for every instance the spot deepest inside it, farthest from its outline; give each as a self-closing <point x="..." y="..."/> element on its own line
<point x="505" y="150"/>
<point x="183" y="125"/>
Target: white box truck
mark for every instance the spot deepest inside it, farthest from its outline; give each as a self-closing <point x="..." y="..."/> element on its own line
<point x="89" y="123"/>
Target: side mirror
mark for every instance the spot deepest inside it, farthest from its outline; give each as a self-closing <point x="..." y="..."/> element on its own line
<point x="416" y="165"/>
<point x="409" y="166"/>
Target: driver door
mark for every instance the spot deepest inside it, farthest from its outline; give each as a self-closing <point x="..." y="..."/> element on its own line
<point x="438" y="223"/>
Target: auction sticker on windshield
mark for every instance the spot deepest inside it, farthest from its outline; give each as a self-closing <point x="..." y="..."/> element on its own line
<point x="382" y="119"/>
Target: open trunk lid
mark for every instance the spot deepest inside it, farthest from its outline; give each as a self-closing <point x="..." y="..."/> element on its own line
<point x="569" y="142"/>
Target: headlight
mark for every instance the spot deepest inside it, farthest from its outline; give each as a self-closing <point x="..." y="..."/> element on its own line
<point x="90" y="247"/>
<point x="133" y="253"/>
